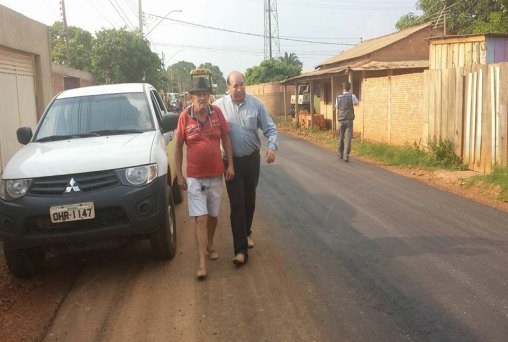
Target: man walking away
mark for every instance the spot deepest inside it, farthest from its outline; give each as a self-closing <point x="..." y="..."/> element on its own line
<point x="345" y="116"/>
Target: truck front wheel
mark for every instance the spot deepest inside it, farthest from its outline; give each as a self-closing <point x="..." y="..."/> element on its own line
<point x="163" y="241"/>
<point x="24" y="262"/>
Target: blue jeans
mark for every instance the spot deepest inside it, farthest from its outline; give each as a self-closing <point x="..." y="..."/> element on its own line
<point x="345" y="134"/>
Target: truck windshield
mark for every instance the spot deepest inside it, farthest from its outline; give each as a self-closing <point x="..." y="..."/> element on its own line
<point x="85" y="116"/>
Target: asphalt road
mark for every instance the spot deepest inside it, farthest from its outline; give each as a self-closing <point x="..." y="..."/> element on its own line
<point x="344" y="252"/>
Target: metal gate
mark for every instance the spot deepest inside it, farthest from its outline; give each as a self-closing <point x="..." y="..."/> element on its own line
<point x="17" y="100"/>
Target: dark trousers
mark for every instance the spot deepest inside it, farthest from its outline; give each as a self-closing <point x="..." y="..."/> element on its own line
<point x="242" y="199"/>
<point x="344" y="140"/>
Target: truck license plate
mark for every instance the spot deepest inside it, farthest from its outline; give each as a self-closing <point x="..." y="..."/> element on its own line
<point x="72" y="212"/>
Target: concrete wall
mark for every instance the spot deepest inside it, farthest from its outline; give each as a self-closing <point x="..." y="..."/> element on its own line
<point x="20" y="33"/>
<point x="272" y="95"/>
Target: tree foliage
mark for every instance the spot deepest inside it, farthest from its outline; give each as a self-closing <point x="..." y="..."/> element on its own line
<point x="462" y="17"/>
<point x="123" y="56"/>
<point x="179" y="76"/>
<point x="274" y="70"/>
<point x="291" y="59"/>
<point x="217" y="76"/>
<point x="80" y="46"/>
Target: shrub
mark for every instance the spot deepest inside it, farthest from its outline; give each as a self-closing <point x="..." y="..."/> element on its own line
<point x="442" y="153"/>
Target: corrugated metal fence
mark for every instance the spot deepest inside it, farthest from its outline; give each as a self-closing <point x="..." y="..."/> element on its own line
<point x="470" y="108"/>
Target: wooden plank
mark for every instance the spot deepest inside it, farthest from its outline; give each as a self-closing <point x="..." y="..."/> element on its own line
<point x="493" y="78"/>
<point x="497" y="156"/>
<point x="472" y="142"/>
<point x="438" y="57"/>
<point x="468" y="52"/>
<point x="443" y="108"/>
<point x="483" y="53"/>
<point x="438" y="132"/>
<point x="432" y="53"/>
<point x="459" y="97"/>
<point x="458" y="40"/>
<point x="486" y="123"/>
<point x="450" y="105"/>
<point x="444" y="57"/>
<point x="450" y="56"/>
<point x="476" y="53"/>
<point x="469" y="101"/>
<point x="479" y="116"/>
<point x="503" y="114"/>
<point x="461" y="55"/>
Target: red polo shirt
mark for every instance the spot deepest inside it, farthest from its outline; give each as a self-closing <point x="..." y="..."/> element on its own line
<point x="204" y="156"/>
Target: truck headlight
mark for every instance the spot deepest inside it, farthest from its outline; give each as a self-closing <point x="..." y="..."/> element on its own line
<point x="12" y="189"/>
<point x="141" y="175"/>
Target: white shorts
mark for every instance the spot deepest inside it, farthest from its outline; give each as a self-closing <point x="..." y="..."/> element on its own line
<point x="204" y="195"/>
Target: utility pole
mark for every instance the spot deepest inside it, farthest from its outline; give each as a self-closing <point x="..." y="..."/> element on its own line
<point x="271" y="29"/>
<point x="140" y="15"/>
<point x="65" y="32"/>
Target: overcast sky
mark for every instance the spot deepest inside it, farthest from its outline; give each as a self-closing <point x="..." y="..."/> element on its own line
<point x="229" y="33"/>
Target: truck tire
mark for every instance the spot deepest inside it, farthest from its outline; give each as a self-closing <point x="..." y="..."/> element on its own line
<point x="163" y="241"/>
<point x="176" y="192"/>
<point x="25" y="262"/>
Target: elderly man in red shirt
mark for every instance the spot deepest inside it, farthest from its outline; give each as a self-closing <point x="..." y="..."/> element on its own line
<point x="202" y="127"/>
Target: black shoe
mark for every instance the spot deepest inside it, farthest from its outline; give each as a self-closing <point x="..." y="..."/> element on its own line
<point x="346" y="159"/>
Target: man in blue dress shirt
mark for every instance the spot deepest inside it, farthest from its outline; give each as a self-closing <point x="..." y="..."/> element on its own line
<point x="245" y="115"/>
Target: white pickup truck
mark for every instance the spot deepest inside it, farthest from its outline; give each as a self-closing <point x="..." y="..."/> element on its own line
<point x="96" y="170"/>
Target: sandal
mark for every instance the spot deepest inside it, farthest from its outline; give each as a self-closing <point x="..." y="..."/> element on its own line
<point x="213" y="254"/>
<point x="201" y="274"/>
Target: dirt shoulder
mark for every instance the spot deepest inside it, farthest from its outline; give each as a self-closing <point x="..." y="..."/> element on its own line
<point x="27" y="306"/>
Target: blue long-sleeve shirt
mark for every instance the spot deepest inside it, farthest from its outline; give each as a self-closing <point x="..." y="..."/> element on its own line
<point x="244" y="120"/>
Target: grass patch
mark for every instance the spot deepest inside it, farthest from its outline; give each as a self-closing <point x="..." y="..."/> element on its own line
<point x="440" y="154"/>
<point x="497" y="178"/>
<point x="405" y="156"/>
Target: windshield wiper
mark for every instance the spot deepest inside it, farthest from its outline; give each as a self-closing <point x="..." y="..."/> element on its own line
<point x="117" y="131"/>
<point x="67" y="136"/>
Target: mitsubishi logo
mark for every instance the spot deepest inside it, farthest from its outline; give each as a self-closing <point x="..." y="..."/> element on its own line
<point x="72" y="186"/>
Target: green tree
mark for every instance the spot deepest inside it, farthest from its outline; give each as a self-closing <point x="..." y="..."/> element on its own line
<point x="291" y="59"/>
<point x="80" y="46"/>
<point x="123" y="56"/>
<point x="462" y="17"/>
<point x="217" y="76"/>
<point x="271" y="70"/>
<point x="179" y="76"/>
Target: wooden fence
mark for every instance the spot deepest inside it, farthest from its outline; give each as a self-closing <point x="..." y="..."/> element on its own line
<point x="469" y="106"/>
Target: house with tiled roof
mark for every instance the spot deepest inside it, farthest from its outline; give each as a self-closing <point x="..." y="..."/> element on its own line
<point x="386" y="74"/>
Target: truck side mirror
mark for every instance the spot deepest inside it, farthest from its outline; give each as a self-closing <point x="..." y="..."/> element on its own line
<point x="24" y="135"/>
<point x="169" y="122"/>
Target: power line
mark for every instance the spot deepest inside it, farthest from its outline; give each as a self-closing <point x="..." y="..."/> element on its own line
<point x="242" y="50"/>
<point x="100" y="13"/>
<point x="124" y="19"/>
<point x="132" y="7"/>
<point x="246" y="33"/>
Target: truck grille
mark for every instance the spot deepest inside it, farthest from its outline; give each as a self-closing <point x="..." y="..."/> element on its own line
<point x="57" y="185"/>
<point x="104" y="218"/>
